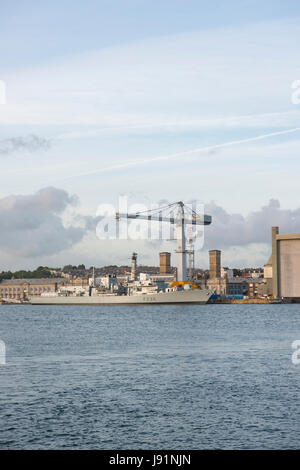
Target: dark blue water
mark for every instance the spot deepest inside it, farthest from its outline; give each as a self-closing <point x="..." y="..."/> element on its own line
<point x="159" y="377"/>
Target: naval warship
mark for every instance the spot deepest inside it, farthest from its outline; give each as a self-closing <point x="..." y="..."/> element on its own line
<point x="141" y="294"/>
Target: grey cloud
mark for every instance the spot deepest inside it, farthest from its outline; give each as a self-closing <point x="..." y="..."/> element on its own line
<point x="31" y="143"/>
<point x="228" y="230"/>
<point x="236" y="230"/>
<point x="89" y="221"/>
<point x="32" y="225"/>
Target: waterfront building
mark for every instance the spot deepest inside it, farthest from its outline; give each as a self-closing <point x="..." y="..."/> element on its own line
<point x="237" y="286"/>
<point x="268" y="276"/>
<point x="226" y="272"/>
<point x="258" y="288"/>
<point x="285" y="264"/>
<point x="20" y="288"/>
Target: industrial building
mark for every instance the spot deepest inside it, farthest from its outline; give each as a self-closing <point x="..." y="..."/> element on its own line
<point x="284" y="265"/>
<point x="21" y="288"/>
<point x="222" y="281"/>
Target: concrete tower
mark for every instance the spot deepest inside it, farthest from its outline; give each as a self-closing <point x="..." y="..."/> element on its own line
<point x="214" y="264"/>
<point x="164" y="262"/>
<point x="275" y="232"/>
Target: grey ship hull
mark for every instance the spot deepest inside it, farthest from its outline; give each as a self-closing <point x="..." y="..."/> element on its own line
<point x="193" y="296"/>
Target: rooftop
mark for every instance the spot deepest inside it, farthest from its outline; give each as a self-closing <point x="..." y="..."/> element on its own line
<point x="33" y="281"/>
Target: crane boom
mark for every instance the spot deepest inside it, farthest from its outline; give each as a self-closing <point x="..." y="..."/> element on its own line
<point x="205" y="220"/>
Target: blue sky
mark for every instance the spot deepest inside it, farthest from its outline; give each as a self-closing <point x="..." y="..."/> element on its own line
<point x="112" y="83"/>
<point x="33" y="31"/>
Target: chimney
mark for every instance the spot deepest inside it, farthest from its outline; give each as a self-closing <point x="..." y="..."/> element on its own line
<point x="165" y="262"/>
<point x="214" y="264"/>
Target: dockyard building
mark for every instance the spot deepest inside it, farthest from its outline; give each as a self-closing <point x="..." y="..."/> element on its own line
<point x="21" y="288"/>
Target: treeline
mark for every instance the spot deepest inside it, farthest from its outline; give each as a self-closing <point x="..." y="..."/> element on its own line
<point x="40" y="272"/>
<point x="70" y="267"/>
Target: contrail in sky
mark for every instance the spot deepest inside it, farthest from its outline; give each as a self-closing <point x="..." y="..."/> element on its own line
<point x="209" y="148"/>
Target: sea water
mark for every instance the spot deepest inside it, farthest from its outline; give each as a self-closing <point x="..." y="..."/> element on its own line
<point x="149" y="377"/>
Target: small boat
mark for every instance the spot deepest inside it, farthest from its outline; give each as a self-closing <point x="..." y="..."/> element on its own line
<point x="276" y="301"/>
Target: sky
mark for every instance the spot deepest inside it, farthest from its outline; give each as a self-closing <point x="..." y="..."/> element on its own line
<point x="155" y="101"/>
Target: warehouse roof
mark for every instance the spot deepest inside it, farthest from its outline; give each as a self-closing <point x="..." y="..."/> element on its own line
<point x="33" y="281"/>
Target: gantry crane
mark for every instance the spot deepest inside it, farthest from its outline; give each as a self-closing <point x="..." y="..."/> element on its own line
<point x="180" y="220"/>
